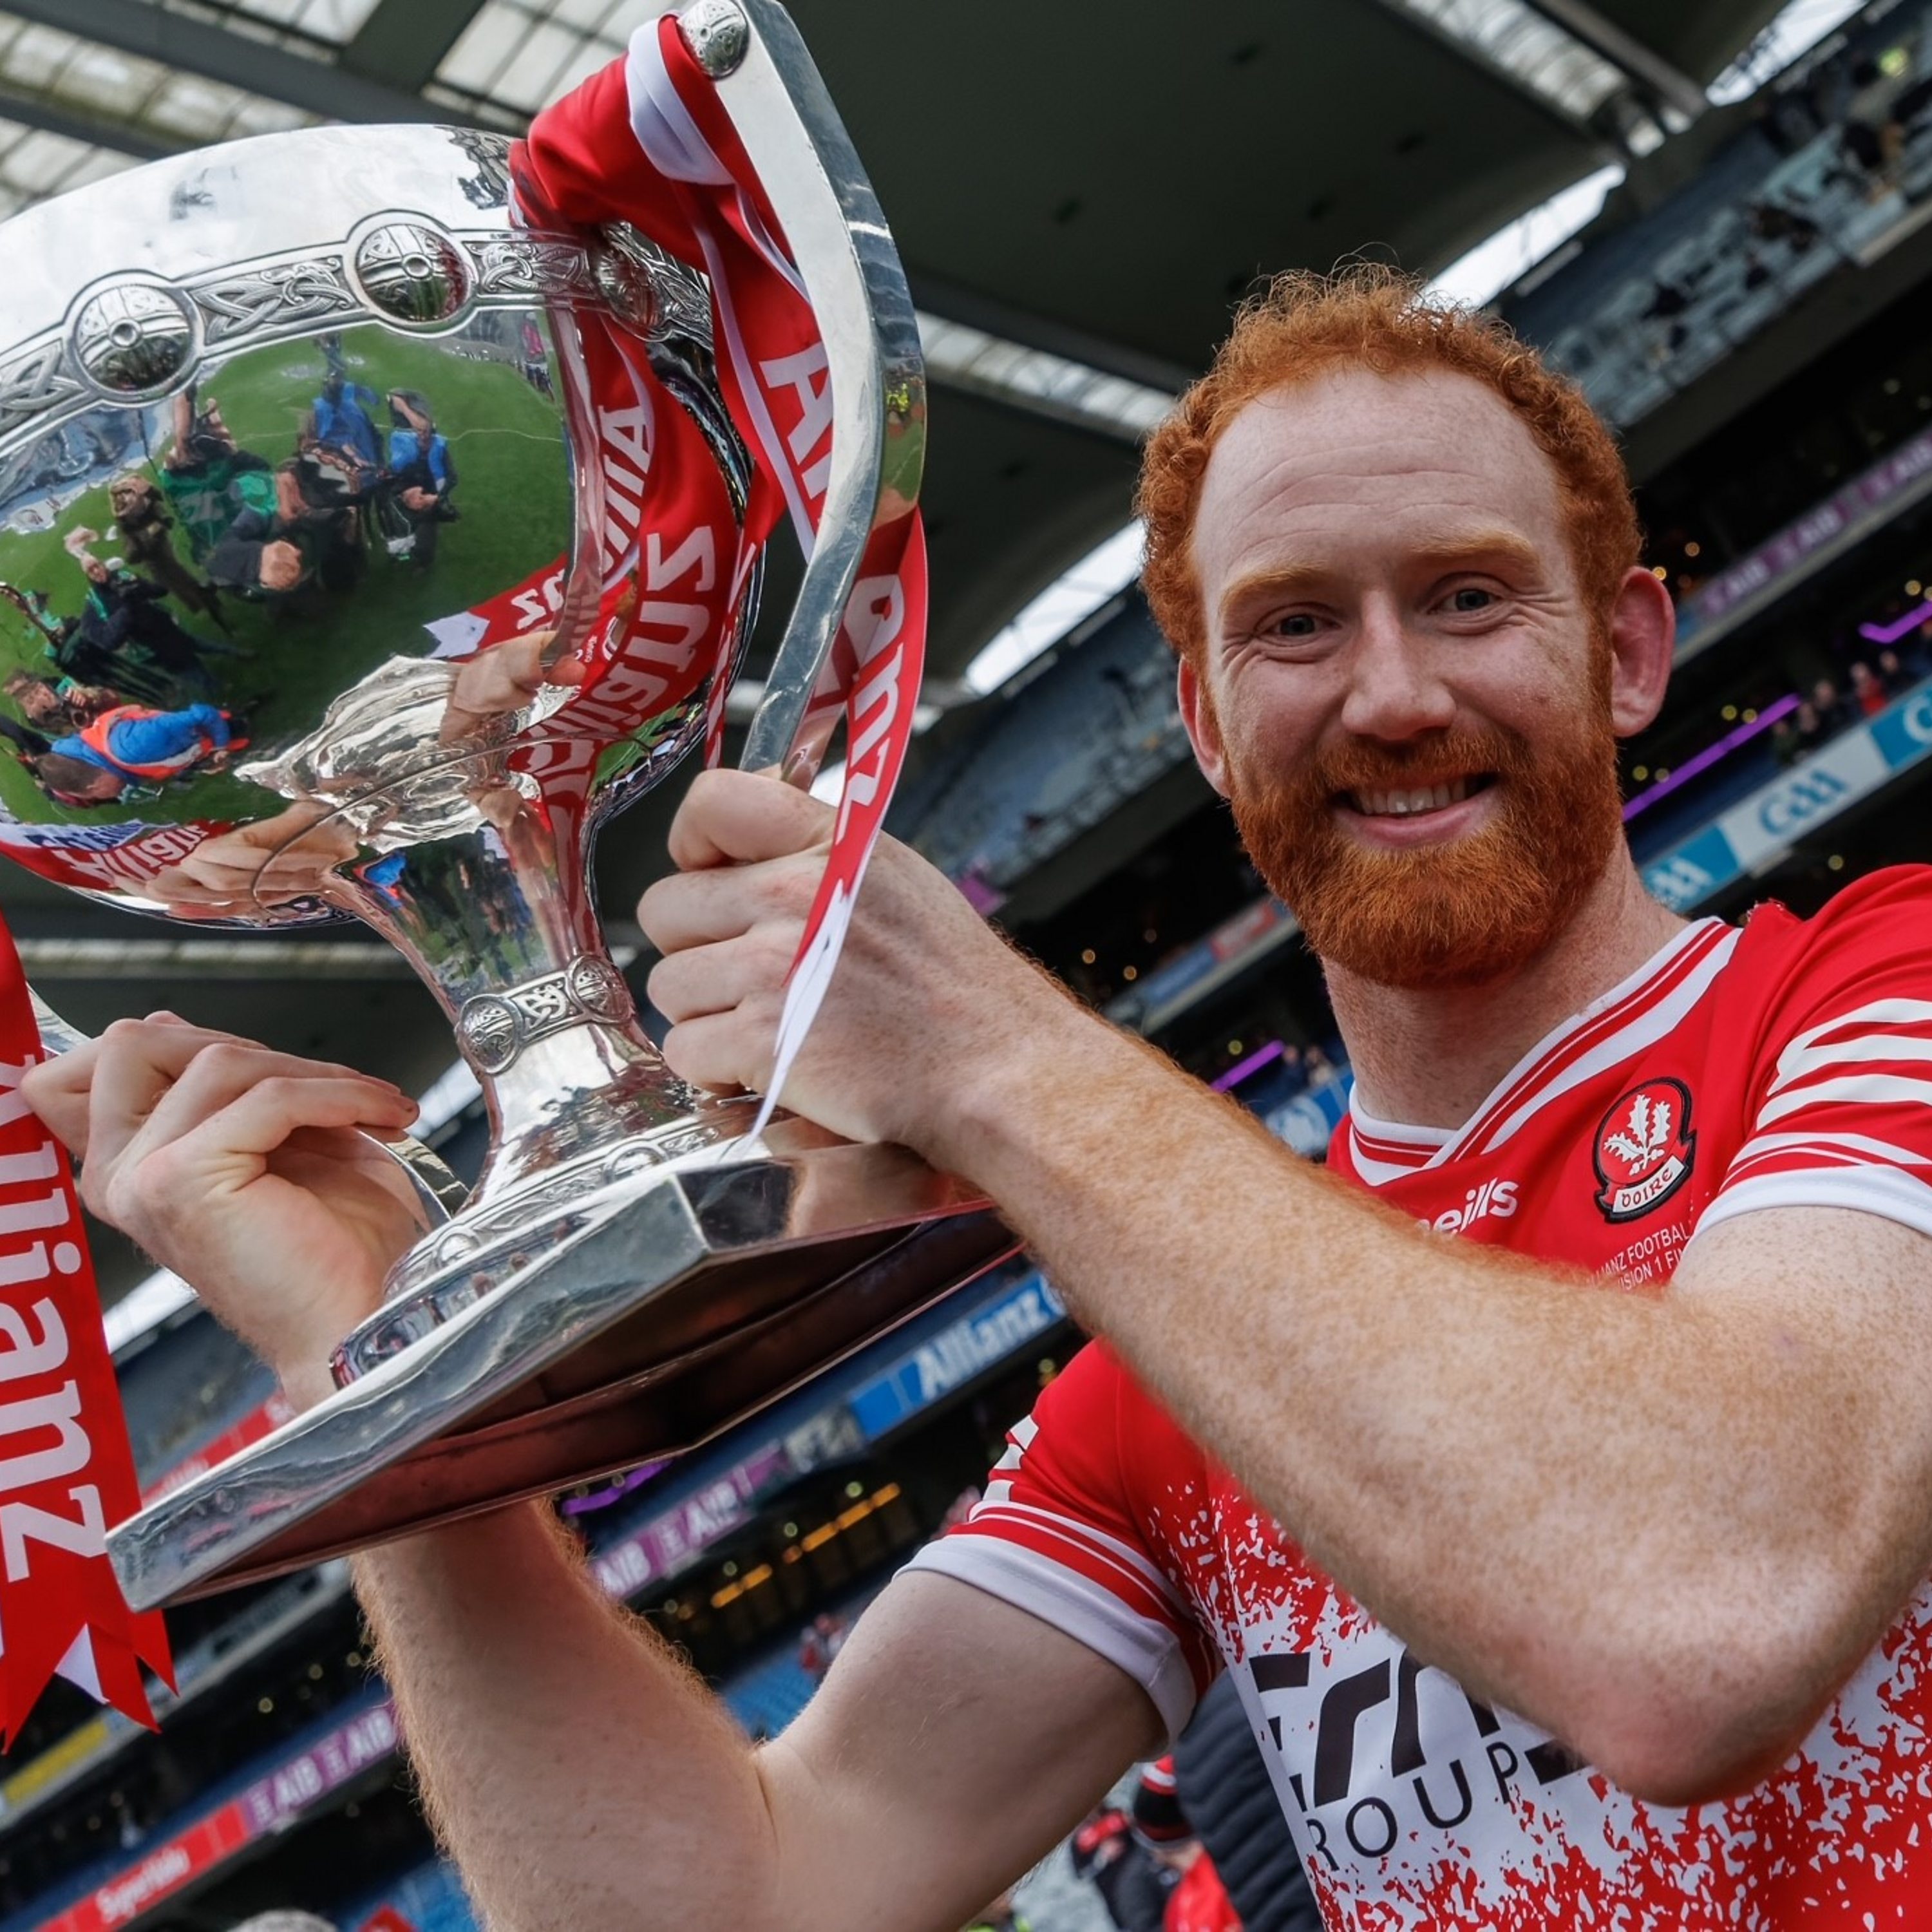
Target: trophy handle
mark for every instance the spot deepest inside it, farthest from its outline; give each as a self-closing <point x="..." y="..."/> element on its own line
<point x="810" y="171"/>
<point x="437" y="1186"/>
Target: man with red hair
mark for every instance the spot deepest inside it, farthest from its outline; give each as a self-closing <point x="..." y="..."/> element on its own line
<point x="1572" y="1571"/>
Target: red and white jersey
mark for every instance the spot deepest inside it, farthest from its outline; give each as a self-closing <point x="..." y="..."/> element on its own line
<point x="1787" y="1064"/>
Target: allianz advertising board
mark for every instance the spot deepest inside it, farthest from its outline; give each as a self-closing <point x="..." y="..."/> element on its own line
<point x="953" y="1357"/>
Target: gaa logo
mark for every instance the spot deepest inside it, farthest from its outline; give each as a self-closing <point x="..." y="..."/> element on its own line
<point x="1643" y="1149"/>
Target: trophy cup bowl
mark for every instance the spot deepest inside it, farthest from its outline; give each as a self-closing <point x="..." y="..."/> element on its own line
<point x="326" y="602"/>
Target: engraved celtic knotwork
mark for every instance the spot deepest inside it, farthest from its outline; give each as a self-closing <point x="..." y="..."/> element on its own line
<point x="38" y="387"/>
<point x="493" y="1028"/>
<point x="254" y="303"/>
<point x="624" y="274"/>
<point x="142" y="336"/>
<point x="533" y="268"/>
<point x="632" y="269"/>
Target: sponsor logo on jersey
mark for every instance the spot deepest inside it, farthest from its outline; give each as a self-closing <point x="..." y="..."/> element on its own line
<point x="1497" y="1198"/>
<point x="1386" y="1763"/>
<point x="1644" y="1149"/>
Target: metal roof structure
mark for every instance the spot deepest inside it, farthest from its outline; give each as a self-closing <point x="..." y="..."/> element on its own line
<point x="1080" y="192"/>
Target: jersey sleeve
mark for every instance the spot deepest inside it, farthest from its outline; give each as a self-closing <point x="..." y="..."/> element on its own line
<point x="1841" y="1088"/>
<point x="1056" y="1535"/>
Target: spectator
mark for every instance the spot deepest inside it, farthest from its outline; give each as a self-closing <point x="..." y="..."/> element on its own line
<point x="1892" y="674"/>
<point x="1198" y="1902"/>
<point x="126" y="638"/>
<point x="421" y="476"/>
<point x="535" y="359"/>
<point x="1872" y="134"/>
<point x="309" y="533"/>
<point x="1868" y="694"/>
<point x="208" y="478"/>
<point x="1795" y="733"/>
<point x="146" y="530"/>
<point x="1223" y="1785"/>
<point x="256" y="558"/>
<point x="29" y="743"/>
<point x="1773" y="221"/>
<point x="822" y="1643"/>
<point x="133" y="745"/>
<point x="1133" y="1886"/>
<point x="57" y="707"/>
<point x="1814" y="726"/>
<point x="1834" y="714"/>
<point x="342" y="422"/>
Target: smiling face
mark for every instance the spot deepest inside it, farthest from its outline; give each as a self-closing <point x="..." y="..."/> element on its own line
<point x="1405" y="695"/>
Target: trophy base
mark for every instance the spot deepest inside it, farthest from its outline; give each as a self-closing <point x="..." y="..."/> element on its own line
<point x="683" y="1302"/>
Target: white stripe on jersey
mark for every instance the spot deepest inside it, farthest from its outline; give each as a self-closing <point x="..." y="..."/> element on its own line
<point x="1623" y="1008"/>
<point x="1001" y="1491"/>
<point x="1147" y="1649"/>
<point x="1664" y="1017"/>
<point x="1841" y="1145"/>
<point x="1871" y="1190"/>
<point x="1804" y="1055"/>
<point x="1863" y="1089"/>
<point x="1376" y="1172"/>
<point x="1104" y="1545"/>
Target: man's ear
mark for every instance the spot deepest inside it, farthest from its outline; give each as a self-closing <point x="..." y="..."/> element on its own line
<point x="1643" y="640"/>
<point x="1204" y="728"/>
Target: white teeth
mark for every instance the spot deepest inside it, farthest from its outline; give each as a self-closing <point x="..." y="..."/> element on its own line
<point x="1401" y="804"/>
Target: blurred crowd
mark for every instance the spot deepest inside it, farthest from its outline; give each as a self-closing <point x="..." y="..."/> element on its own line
<point x="1828" y="708"/>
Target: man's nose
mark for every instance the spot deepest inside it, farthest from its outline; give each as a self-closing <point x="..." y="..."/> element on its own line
<point x="1396" y="690"/>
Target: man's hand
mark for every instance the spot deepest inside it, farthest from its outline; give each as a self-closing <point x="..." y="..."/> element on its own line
<point x="502" y="678"/>
<point x="243" y="1171"/>
<point x="266" y="863"/>
<point x="924" y="1001"/>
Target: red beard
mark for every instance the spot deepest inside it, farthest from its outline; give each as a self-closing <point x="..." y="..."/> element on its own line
<point x="1459" y="914"/>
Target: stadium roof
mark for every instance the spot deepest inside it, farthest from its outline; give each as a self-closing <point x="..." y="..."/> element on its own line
<point x="1080" y="191"/>
<point x="1097" y="182"/>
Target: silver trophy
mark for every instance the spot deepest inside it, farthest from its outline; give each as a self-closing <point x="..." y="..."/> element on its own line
<point x="300" y="529"/>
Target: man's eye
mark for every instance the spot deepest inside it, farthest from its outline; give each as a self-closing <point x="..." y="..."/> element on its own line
<point x="1296" y="624"/>
<point x="1471" y="597"/>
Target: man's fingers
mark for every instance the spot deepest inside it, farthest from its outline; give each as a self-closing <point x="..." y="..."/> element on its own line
<point x="715" y="979"/>
<point x="258" y="1122"/>
<point x="730" y="817"/>
<point x="97" y="1097"/>
<point x="222" y="1074"/>
<point x="714" y="1050"/>
<point x="233" y="1144"/>
<point x="686" y="909"/>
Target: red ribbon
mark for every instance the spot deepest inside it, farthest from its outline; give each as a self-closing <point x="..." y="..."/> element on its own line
<point x="66" y="1469"/>
<point x="647" y="141"/>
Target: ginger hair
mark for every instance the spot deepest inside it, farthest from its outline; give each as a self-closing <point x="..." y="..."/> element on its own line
<point x="1370" y="317"/>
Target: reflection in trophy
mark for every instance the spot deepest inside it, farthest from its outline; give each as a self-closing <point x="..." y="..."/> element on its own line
<point x="336" y="581"/>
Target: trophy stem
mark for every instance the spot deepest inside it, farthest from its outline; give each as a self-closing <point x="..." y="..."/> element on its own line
<point x="495" y="915"/>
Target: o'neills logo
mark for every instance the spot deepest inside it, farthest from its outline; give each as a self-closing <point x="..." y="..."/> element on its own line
<point x="1644" y="1149"/>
